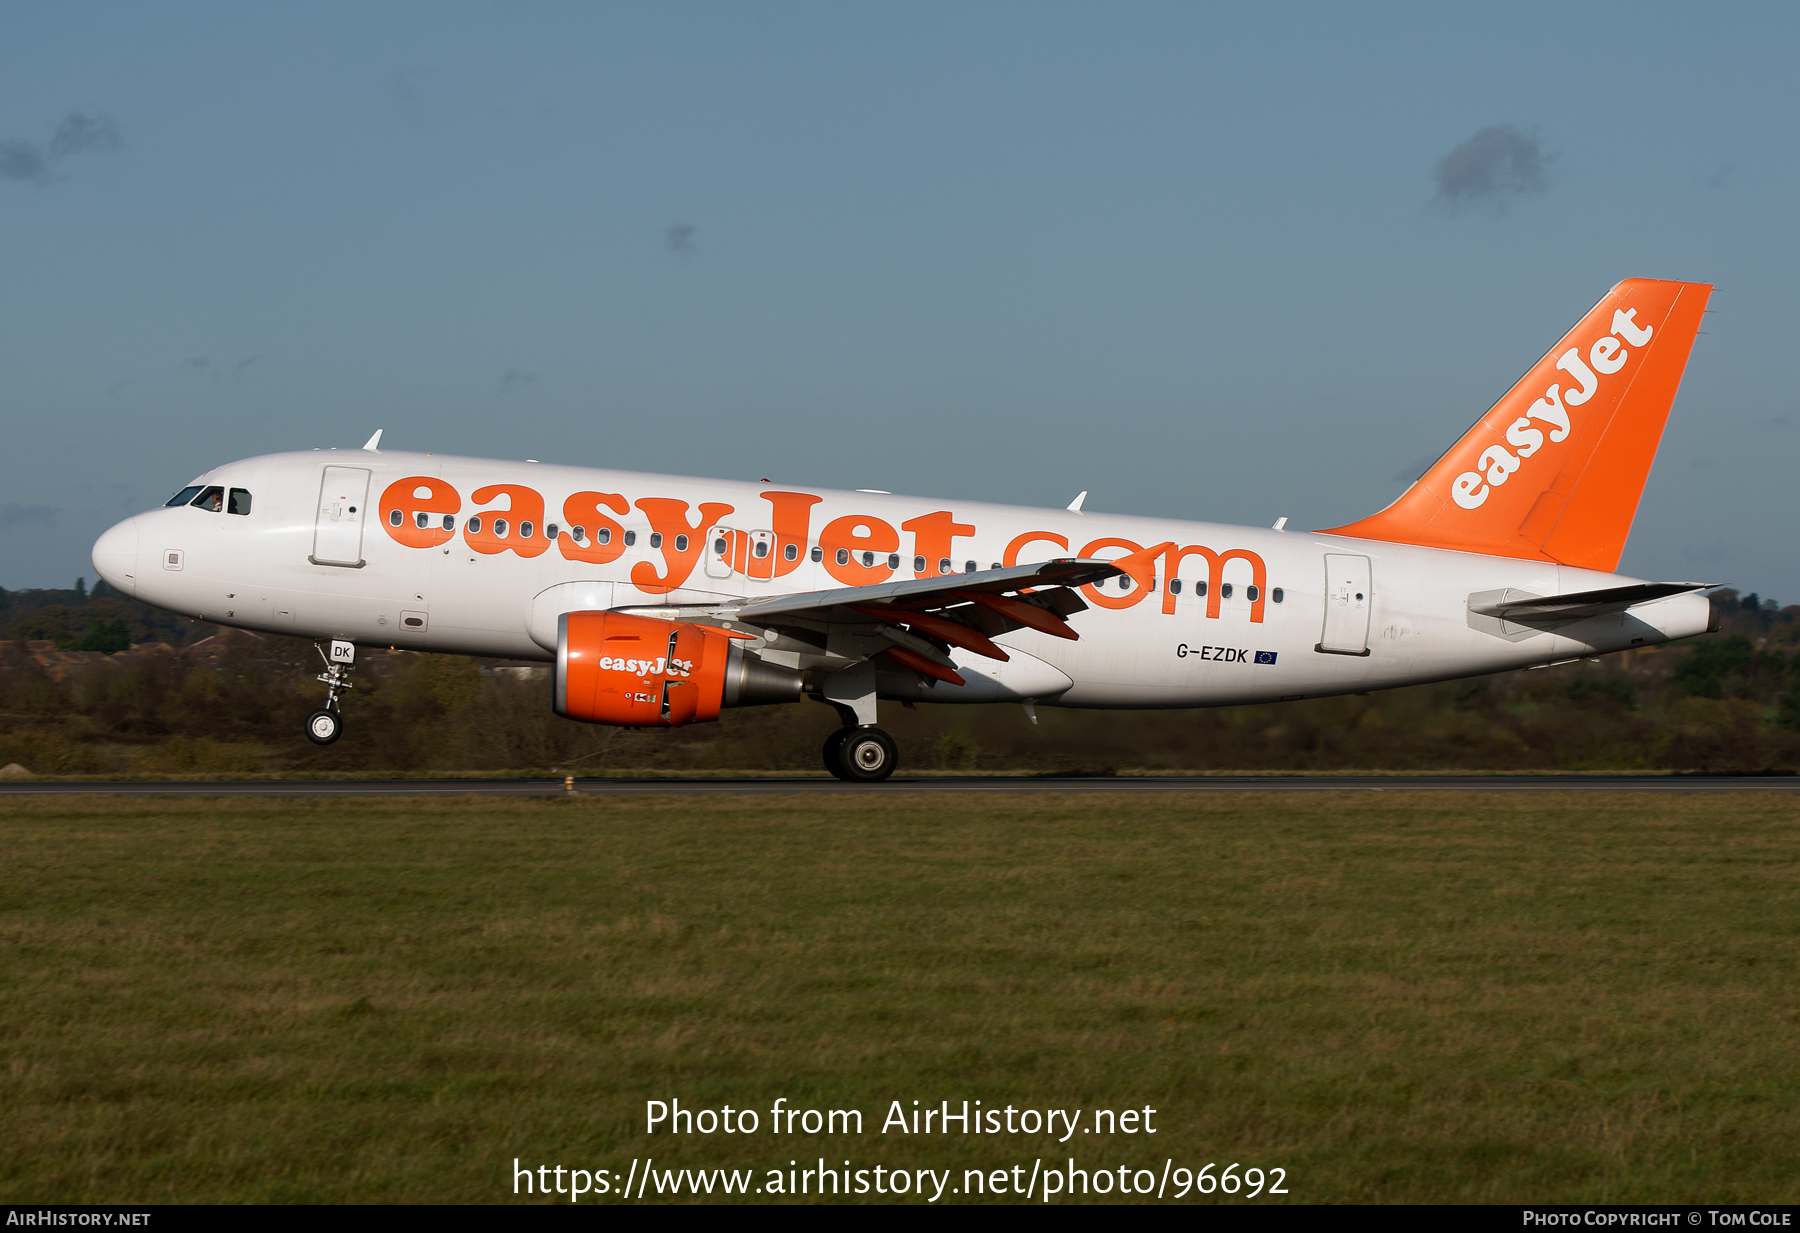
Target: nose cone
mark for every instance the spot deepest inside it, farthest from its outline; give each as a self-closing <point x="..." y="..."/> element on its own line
<point x="115" y="556"/>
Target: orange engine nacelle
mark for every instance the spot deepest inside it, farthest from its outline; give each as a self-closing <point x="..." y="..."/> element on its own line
<point x="638" y="672"/>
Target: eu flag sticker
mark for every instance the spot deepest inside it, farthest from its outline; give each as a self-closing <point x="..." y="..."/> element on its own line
<point x="1265" y="657"/>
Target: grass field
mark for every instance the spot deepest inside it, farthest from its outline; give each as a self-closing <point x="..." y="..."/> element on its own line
<point x="1393" y="998"/>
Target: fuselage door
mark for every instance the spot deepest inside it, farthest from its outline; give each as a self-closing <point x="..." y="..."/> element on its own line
<point x="343" y="504"/>
<point x="758" y="560"/>
<point x="1346" y="605"/>
<point x="717" y="557"/>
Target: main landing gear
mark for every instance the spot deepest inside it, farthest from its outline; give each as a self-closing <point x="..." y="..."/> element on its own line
<point x="326" y="724"/>
<point x="858" y="752"/>
<point x="860" y="755"/>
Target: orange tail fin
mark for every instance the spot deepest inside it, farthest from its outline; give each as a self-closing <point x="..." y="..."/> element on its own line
<point x="1555" y="470"/>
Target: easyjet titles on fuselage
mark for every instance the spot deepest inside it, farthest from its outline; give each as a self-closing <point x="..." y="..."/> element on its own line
<point x="421" y="512"/>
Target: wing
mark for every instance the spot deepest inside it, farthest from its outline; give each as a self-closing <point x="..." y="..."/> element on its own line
<point x="912" y="623"/>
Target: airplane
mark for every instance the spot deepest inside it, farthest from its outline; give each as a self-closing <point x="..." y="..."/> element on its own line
<point x="662" y="599"/>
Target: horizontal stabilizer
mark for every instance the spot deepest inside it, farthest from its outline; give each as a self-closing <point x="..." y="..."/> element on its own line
<point x="1578" y="605"/>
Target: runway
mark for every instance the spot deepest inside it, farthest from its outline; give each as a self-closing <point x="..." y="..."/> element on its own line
<point x="904" y="784"/>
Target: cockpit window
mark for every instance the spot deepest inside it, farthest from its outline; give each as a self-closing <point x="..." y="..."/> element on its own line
<point x="240" y="501"/>
<point x="184" y="496"/>
<point x="213" y="499"/>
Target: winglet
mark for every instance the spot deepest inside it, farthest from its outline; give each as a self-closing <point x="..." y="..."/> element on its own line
<point x="1075" y="505"/>
<point x="373" y="443"/>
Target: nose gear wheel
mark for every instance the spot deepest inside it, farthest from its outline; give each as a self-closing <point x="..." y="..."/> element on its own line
<point x="324" y="726"/>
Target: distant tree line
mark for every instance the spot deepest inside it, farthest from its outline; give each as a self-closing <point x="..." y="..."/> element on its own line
<point x="1724" y="702"/>
<point x="99" y="620"/>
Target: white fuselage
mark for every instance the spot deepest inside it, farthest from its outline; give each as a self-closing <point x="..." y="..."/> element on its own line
<point x="1303" y="634"/>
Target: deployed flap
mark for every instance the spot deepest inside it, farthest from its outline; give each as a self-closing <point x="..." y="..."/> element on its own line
<point x="1555" y="470"/>
<point x="913" y="624"/>
<point x="845" y="604"/>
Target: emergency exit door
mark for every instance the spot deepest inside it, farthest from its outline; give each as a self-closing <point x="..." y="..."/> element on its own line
<point x="343" y="508"/>
<point x="716" y="562"/>
<point x="748" y="553"/>
<point x="1347" y="603"/>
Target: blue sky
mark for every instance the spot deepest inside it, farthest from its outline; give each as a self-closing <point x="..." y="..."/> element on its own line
<point x="1197" y="261"/>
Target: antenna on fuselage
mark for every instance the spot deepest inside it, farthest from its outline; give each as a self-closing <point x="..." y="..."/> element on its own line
<point x="1075" y="505"/>
<point x="373" y="442"/>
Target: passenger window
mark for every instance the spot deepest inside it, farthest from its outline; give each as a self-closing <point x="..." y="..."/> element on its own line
<point x="760" y="549"/>
<point x="893" y="560"/>
<point x="944" y="565"/>
<point x="791" y="552"/>
<point x="240" y="501"/>
<point x="995" y="565"/>
<point x="603" y="535"/>
<point x="843" y="556"/>
<point x="525" y="529"/>
<point x="818" y="554"/>
<point x="1224" y="590"/>
<point x="868" y="560"/>
<point x="1200" y="588"/>
<point x="184" y="496"/>
<point x="212" y="500"/>
<point x="1250" y="593"/>
<point x="681" y="543"/>
<point x="421" y="518"/>
<point x="395" y="517"/>
<point x="474" y="527"/>
<point x="1275" y="595"/>
<point x="630" y="538"/>
<point x="655" y="539"/>
<point x="550" y="532"/>
<point x="1174" y="586"/>
<point x="500" y="528"/>
<point x="918" y="565"/>
<point x="577" y="533"/>
<point x="969" y="567"/>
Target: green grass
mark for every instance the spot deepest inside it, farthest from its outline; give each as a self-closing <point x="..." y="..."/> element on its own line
<point x="1433" y="997"/>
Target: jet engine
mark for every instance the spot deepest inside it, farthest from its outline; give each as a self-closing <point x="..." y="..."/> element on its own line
<point x="641" y="672"/>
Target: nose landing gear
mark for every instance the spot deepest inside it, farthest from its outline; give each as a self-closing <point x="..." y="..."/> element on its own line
<point x="325" y="725"/>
